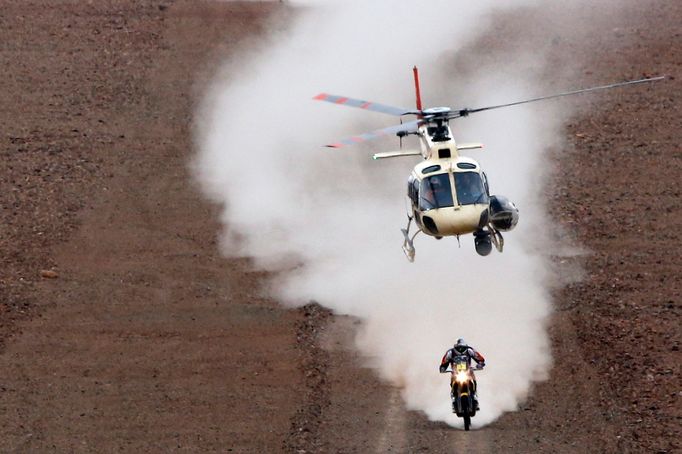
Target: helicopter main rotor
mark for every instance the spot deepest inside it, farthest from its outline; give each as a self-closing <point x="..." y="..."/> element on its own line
<point x="439" y="115"/>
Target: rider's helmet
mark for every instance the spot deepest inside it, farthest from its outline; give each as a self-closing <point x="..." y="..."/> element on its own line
<point x="461" y="346"/>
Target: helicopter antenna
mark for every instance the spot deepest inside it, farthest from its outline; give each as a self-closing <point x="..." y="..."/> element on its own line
<point x="466" y="111"/>
<point x="416" y="88"/>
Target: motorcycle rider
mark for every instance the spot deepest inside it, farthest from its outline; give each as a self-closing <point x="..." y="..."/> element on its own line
<point x="459" y="350"/>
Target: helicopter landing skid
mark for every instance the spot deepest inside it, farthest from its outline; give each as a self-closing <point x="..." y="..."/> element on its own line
<point x="497" y="239"/>
<point x="408" y="244"/>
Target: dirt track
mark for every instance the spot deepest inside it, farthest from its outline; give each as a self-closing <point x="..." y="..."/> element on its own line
<point x="149" y="341"/>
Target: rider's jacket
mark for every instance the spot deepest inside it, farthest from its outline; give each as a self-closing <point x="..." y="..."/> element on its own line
<point x="470" y="354"/>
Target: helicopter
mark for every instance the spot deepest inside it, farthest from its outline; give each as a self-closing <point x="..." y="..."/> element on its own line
<point x="448" y="194"/>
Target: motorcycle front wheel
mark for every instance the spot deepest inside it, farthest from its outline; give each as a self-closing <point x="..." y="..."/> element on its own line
<point x="465" y="408"/>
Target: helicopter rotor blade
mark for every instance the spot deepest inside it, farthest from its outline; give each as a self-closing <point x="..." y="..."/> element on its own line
<point x="466" y="111"/>
<point x="361" y="104"/>
<point x="408" y="127"/>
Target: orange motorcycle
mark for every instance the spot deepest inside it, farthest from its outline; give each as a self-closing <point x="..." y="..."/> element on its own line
<point x="463" y="390"/>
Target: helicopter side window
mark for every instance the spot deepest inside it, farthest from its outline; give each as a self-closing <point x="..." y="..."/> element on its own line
<point x="435" y="192"/>
<point x="413" y="189"/>
<point x="470" y="188"/>
<point x="485" y="183"/>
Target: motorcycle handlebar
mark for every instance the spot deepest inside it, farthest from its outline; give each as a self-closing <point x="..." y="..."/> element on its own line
<point x="473" y="368"/>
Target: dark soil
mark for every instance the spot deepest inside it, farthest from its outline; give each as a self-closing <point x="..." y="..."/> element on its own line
<point x="148" y="340"/>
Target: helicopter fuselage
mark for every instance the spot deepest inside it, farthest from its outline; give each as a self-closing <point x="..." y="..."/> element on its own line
<point x="449" y="194"/>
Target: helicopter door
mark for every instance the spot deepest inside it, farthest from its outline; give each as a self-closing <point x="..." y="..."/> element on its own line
<point x="470" y="188"/>
<point x="413" y="190"/>
<point x="435" y="192"/>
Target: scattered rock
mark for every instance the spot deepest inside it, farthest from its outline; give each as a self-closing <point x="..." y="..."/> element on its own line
<point x="49" y="274"/>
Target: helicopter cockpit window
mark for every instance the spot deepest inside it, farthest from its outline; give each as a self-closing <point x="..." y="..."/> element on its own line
<point x="484" y="177"/>
<point x="470" y="188"/>
<point x="431" y="169"/>
<point x="435" y="192"/>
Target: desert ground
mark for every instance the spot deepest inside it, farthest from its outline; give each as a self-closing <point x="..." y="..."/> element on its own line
<point x="123" y="329"/>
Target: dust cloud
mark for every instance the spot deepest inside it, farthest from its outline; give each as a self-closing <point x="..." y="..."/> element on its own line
<point x="326" y="222"/>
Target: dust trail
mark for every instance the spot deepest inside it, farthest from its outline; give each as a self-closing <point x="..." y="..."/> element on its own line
<point x="327" y="222"/>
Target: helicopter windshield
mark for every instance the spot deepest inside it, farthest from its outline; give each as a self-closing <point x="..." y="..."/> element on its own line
<point x="435" y="192"/>
<point x="470" y="189"/>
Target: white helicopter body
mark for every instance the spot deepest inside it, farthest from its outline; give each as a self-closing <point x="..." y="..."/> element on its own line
<point x="448" y="194"/>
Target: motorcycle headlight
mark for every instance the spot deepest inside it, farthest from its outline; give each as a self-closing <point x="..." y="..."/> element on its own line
<point x="461" y="377"/>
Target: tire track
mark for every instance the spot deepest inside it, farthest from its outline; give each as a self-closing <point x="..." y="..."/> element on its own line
<point x="394" y="436"/>
<point x="305" y="424"/>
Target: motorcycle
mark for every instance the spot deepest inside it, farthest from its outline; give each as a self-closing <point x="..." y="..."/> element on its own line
<point x="463" y="390"/>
